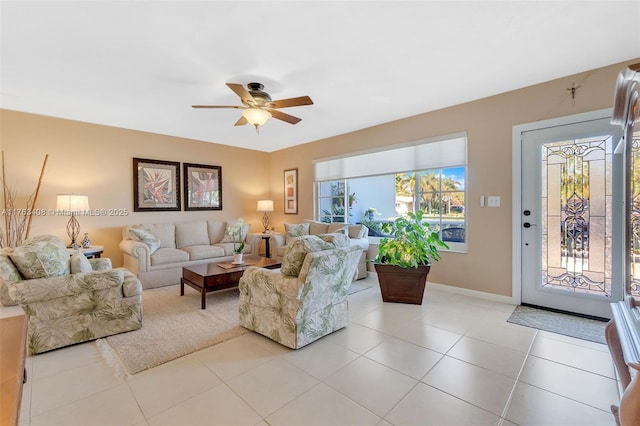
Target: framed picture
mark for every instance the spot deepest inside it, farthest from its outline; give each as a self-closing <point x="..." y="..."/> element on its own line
<point x="202" y="187"/>
<point x="291" y="191"/>
<point x="156" y="185"/>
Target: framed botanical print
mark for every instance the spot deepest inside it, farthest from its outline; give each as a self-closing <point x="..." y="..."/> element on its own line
<point x="291" y="191"/>
<point x="202" y="187"/>
<point x="156" y="185"/>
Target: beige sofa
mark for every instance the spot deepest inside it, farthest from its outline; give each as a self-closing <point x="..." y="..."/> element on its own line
<point x="357" y="237"/>
<point x="159" y="263"/>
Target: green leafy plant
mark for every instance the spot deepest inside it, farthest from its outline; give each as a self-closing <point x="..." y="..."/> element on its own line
<point x="412" y="243"/>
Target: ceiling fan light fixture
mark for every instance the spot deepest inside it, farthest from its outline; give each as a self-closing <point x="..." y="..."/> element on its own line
<point x="256" y="116"/>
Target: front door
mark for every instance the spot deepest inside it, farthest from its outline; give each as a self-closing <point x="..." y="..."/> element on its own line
<point x="572" y="194"/>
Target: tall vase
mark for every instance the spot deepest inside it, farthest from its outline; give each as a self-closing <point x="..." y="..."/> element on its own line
<point x="237" y="258"/>
<point x="629" y="412"/>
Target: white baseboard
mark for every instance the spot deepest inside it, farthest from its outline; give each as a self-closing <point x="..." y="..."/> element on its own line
<point x="471" y="293"/>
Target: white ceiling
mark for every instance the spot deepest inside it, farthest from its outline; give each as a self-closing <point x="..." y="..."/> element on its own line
<point x="142" y="64"/>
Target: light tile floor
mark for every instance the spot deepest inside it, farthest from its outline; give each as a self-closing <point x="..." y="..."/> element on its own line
<point x="452" y="361"/>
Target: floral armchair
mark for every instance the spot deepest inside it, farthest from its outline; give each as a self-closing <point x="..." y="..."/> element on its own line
<point x="307" y="298"/>
<point x="69" y="300"/>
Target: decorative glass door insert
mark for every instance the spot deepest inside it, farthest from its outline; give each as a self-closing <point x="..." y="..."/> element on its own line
<point x="576" y="215"/>
<point x="635" y="216"/>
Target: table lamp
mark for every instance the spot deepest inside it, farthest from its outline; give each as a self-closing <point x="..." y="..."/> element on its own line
<point x="72" y="204"/>
<point x="265" y="206"/>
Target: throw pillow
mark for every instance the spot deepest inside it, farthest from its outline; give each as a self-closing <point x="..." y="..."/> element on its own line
<point x="145" y="236"/>
<point x="79" y="263"/>
<point x="297" y="251"/>
<point x="295" y="230"/>
<point x="41" y="257"/>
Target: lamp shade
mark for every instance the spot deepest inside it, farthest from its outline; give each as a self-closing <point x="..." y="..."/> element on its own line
<point x="265" y="205"/>
<point x="256" y="116"/>
<point x="72" y="202"/>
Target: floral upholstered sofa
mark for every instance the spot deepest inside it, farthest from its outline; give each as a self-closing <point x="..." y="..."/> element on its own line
<point x="307" y="298"/>
<point x="69" y="299"/>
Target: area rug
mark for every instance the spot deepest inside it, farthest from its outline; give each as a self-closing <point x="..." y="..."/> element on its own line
<point x="175" y="326"/>
<point x="555" y="322"/>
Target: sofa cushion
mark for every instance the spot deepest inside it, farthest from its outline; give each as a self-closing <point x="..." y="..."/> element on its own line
<point x="338" y="227"/>
<point x="193" y="233"/>
<point x="145" y="236"/>
<point x="40" y="257"/>
<point x="230" y="224"/>
<point x="79" y="263"/>
<point x="297" y="250"/>
<point x="358" y="231"/>
<point x="166" y="256"/>
<point x="8" y="274"/>
<point x="294" y="230"/>
<point x="204" y="252"/>
<point x="338" y="239"/>
<point x="166" y="232"/>
<point x="317" y="228"/>
<point x="229" y="248"/>
<point x="216" y="229"/>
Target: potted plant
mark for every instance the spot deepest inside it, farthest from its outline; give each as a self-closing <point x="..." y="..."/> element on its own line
<point x="370" y="212"/>
<point x="352" y="199"/>
<point x="404" y="260"/>
<point x="235" y="233"/>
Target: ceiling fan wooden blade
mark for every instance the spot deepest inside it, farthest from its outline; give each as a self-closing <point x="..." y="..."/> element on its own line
<point x="284" y="117"/>
<point x="241" y="121"/>
<point x="242" y="92"/>
<point x="217" y="106"/>
<point x="290" y="102"/>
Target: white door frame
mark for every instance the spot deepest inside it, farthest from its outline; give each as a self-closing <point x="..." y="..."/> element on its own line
<point x="516" y="186"/>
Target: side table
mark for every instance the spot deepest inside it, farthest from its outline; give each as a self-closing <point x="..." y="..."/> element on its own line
<point x="267" y="237"/>
<point x="93" y="251"/>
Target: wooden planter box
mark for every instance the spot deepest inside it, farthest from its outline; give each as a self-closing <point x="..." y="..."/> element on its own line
<point x="402" y="285"/>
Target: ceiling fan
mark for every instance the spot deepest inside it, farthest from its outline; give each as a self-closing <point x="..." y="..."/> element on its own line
<point x="258" y="106"/>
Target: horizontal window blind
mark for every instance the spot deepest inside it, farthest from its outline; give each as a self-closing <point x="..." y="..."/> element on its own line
<point x="418" y="155"/>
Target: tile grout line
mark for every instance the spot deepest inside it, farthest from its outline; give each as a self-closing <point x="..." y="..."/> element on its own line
<point x="505" y="410"/>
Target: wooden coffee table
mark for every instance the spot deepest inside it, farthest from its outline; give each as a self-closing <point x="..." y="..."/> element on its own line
<point x="211" y="276"/>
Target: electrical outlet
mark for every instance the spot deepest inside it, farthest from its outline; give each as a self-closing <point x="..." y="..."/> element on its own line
<point x="493" y="201"/>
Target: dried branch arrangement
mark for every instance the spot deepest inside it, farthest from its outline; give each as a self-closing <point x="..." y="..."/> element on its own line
<point x="17" y="221"/>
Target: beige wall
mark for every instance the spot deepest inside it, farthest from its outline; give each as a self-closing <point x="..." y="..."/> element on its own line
<point x="97" y="161"/>
<point x="488" y="123"/>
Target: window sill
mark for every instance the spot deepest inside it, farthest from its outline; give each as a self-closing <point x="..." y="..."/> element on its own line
<point x="453" y="247"/>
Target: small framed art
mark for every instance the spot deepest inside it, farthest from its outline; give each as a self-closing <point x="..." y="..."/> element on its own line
<point x="291" y="191"/>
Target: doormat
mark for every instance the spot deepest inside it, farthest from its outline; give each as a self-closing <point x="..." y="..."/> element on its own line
<point x="560" y="323"/>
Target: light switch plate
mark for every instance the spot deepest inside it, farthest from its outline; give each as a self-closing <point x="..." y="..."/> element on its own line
<point x="493" y="201"/>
